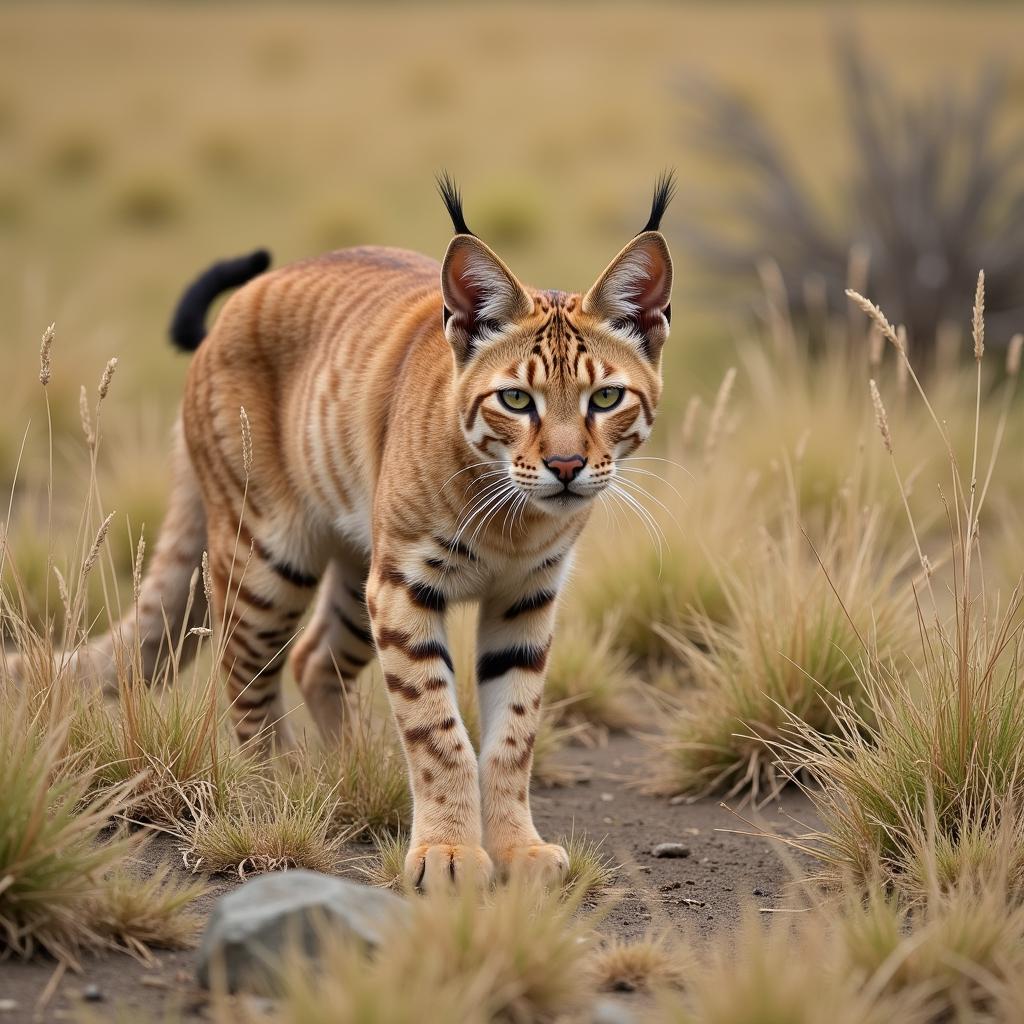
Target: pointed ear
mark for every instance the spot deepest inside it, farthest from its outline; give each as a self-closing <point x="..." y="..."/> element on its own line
<point x="634" y="293"/>
<point x="481" y="295"/>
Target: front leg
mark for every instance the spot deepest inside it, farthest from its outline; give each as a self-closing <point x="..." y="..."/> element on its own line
<point x="407" y="617"/>
<point x="515" y="636"/>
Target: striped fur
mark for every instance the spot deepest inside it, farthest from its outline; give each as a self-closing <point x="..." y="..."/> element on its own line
<point x="389" y="481"/>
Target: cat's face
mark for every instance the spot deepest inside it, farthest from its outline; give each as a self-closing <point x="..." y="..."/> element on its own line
<point x="554" y="390"/>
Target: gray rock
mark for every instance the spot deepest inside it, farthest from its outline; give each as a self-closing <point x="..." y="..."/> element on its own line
<point x="253" y="926"/>
<point x="671" y="850"/>
<point x="612" y="1011"/>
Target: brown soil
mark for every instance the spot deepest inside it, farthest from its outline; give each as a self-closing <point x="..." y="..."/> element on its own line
<point x="706" y="891"/>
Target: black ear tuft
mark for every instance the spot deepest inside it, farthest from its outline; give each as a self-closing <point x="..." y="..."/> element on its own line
<point x="664" y="190"/>
<point x="453" y="202"/>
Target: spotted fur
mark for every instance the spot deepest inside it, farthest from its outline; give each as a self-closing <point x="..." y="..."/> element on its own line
<point x="390" y="480"/>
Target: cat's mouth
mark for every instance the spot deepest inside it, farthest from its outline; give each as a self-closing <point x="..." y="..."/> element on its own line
<point x="566" y="496"/>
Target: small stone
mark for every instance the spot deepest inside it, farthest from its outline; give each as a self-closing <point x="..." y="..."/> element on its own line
<point x="612" y="1011"/>
<point x="607" y="797"/>
<point x="254" y="925"/>
<point x="92" y="994"/>
<point x="760" y="892"/>
<point x="8" y="1005"/>
<point x="671" y="850"/>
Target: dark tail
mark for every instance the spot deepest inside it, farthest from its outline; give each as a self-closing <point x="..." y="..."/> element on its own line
<point x="188" y="328"/>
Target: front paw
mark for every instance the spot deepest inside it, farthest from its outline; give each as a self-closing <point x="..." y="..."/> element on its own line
<point x="547" y="863"/>
<point x="441" y="867"/>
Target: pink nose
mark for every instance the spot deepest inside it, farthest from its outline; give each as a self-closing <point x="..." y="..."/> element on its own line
<point x="566" y="467"/>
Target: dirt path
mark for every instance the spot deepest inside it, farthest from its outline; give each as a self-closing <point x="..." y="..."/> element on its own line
<point x="702" y="892"/>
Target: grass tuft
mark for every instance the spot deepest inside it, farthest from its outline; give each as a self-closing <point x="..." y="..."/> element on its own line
<point x="518" y="956"/>
<point x="653" y="962"/>
<point x="793" y="652"/>
<point x="138" y="911"/>
<point x="590" y="679"/>
<point x="286" y="821"/>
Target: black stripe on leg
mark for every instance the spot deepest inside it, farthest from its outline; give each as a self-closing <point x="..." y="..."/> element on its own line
<point x="530" y="603"/>
<point x="359" y="632"/>
<point x="550" y="563"/>
<point x="425" y="596"/>
<point x="431" y="649"/>
<point x="289" y="573"/>
<point x="245" y="703"/>
<point x="497" y="663"/>
<point x="252" y="599"/>
<point x="423" y="651"/>
<point x="456" y="547"/>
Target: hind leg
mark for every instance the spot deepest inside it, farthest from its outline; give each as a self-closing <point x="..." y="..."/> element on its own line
<point x="336" y="644"/>
<point x="259" y="595"/>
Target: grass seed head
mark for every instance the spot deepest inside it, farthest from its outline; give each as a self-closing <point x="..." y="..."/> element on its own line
<point x="881" y="419"/>
<point x="978" y="317"/>
<point x="45" y="355"/>
<point x="106" y="377"/>
<point x="243" y="417"/>
<point x="97" y="544"/>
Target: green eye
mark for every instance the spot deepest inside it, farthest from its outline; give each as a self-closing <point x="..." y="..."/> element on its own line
<point x="516" y="400"/>
<point x="606" y="398"/>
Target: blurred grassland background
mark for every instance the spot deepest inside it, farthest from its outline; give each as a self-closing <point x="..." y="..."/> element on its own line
<point x="139" y="142"/>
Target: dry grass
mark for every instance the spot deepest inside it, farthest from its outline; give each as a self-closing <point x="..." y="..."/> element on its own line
<point x="590" y="680"/>
<point x="518" y="956"/>
<point x="923" y="783"/>
<point x="174" y="743"/>
<point x="656" y="961"/>
<point x="140" y="911"/>
<point x="919" y="772"/>
<point x="288" y="820"/>
<point x="793" y="651"/>
<point x="366" y="772"/>
<point x="823" y="967"/>
<point x="66" y="881"/>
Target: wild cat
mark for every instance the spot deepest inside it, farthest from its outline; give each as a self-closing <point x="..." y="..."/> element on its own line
<point x="415" y="436"/>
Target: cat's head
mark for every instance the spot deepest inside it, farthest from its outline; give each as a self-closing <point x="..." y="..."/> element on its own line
<point x="555" y="390"/>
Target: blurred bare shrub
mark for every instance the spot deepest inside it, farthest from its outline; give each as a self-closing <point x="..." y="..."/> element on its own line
<point x="932" y="194"/>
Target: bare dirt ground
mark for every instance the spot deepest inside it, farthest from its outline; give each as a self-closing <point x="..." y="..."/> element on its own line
<point x="706" y="891"/>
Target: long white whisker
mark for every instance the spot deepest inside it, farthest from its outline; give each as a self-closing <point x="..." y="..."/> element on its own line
<point x="640" y="489"/>
<point x="479" y="503"/>
<point x="474" y="465"/>
<point x="518" y="507"/>
<point x="650" y="523"/>
<point x="509" y="511"/>
<point x="655" y="476"/>
<point x="493" y="511"/>
<point x="647" y="515"/>
<point x="655" y="458"/>
<point x="496" y="491"/>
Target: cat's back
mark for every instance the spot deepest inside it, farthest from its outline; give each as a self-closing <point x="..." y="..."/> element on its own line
<point x="276" y="318"/>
